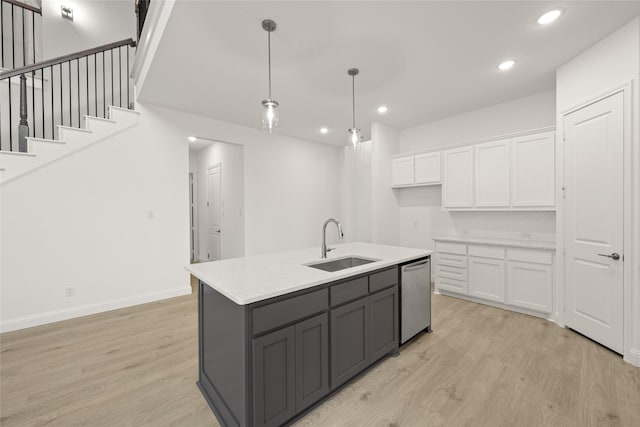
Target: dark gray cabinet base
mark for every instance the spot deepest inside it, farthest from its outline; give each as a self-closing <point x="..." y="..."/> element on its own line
<point x="268" y="363"/>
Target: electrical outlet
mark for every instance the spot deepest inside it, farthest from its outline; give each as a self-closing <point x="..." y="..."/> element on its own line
<point x="526" y="235"/>
<point x="69" y="291"/>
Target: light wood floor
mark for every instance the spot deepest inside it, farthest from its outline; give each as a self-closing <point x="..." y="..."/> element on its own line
<point x="482" y="366"/>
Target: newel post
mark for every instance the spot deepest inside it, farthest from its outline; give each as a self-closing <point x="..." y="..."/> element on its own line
<point x="23" y="128"/>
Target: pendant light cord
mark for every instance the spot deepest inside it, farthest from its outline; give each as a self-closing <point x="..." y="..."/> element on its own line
<point x="353" y="97"/>
<point x="269" y="48"/>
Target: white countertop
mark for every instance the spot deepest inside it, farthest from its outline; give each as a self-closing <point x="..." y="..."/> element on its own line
<point x="532" y="244"/>
<point x="256" y="278"/>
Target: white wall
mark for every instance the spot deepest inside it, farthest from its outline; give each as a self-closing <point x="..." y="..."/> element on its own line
<point x="230" y="157"/>
<point x="420" y="213"/>
<point x="613" y="62"/>
<point x="355" y="182"/>
<point x="110" y="220"/>
<point x="95" y="22"/>
<point x="291" y="186"/>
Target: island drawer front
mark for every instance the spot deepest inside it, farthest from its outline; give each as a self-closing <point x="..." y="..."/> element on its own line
<point x="384" y="279"/>
<point x="452" y="248"/>
<point x="279" y="313"/>
<point x="349" y="291"/>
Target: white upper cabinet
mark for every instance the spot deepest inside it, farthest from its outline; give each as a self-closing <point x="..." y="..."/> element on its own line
<point x="533" y="171"/>
<point x="457" y="185"/>
<point x="402" y="171"/>
<point x="427" y="168"/>
<point x="492" y="175"/>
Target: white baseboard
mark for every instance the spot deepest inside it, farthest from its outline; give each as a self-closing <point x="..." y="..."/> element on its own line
<point x="88" y="309"/>
<point x="633" y="357"/>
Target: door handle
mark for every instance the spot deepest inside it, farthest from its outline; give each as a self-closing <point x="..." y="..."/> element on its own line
<point x="615" y="256"/>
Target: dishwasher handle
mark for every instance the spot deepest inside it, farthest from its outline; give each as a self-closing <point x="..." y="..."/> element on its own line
<point x="415" y="266"/>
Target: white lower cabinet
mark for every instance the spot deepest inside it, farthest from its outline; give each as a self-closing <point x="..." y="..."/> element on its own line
<point x="486" y="278"/>
<point x="529" y="285"/>
<point x="518" y="277"/>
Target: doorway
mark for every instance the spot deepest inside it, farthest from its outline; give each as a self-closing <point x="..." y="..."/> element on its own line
<point x="594" y="220"/>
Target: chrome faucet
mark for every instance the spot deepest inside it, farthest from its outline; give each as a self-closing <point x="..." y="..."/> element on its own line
<point x="325" y="249"/>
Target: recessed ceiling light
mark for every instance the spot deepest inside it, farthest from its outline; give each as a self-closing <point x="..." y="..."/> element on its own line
<point x="549" y="17"/>
<point x="507" y="65"/>
<point x="324" y="130"/>
<point x="192" y="138"/>
<point x="382" y="109"/>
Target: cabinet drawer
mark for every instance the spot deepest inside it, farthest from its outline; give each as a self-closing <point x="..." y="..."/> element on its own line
<point x="451" y="285"/>
<point x="452" y="272"/>
<point x="452" y="248"/>
<point x="349" y="291"/>
<point x="486" y="251"/>
<point x="282" y="312"/>
<point x="383" y="279"/>
<point x="452" y="260"/>
<point x="530" y="255"/>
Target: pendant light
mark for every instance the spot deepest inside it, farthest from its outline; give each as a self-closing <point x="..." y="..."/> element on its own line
<point x="269" y="105"/>
<point x="354" y="132"/>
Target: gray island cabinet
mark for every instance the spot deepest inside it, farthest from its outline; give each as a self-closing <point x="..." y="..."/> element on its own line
<point x="268" y="362"/>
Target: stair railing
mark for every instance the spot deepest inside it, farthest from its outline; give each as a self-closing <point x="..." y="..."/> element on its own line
<point x="19" y="24"/>
<point x="63" y="89"/>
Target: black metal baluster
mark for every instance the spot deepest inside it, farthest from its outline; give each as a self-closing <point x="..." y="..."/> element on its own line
<point x="86" y="58"/>
<point x="13" y="37"/>
<point x="10" y="119"/>
<point x="104" y="99"/>
<point x="24" y="43"/>
<point x="53" y="128"/>
<point x="42" y="94"/>
<point x="120" y="73"/>
<point x="70" y="106"/>
<point x="111" y="53"/>
<point x="78" y="76"/>
<point x="61" y="107"/>
<point x="128" y="80"/>
<point x="2" y="30"/>
<point x="33" y="73"/>
<point x="95" y="81"/>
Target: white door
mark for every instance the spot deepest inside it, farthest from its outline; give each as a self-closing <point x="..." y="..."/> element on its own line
<point x="213" y="213"/>
<point x="593" y="221"/>
<point x="457" y="182"/>
<point x="492" y="174"/>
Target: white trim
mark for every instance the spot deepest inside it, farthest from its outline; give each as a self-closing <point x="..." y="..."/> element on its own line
<point x="630" y="354"/>
<point x="155" y="23"/>
<point x="88" y="309"/>
<point x="477" y="141"/>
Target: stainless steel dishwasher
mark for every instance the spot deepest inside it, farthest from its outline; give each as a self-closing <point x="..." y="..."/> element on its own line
<point x="415" y="293"/>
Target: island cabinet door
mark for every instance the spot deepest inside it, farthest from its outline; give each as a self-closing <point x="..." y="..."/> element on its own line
<point x="274" y="377"/>
<point x="350" y="351"/>
<point x="384" y="322"/>
<point x="312" y="361"/>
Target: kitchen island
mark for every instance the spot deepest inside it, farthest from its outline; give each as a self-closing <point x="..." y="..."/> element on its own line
<point x="277" y="335"/>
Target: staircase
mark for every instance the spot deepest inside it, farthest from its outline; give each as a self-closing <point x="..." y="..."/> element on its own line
<point x="50" y="109"/>
<point x="42" y="152"/>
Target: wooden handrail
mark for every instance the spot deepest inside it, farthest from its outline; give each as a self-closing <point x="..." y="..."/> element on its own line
<point x="24" y="6"/>
<point x="65" y="58"/>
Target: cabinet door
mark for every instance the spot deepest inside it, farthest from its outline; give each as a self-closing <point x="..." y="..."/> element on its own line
<point x="533" y="171"/>
<point x="529" y="285"/>
<point x="427" y="168"/>
<point x="273" y="377"/>
<point x="312" y="361"/>
<point x="384" y="322"/>
<point x="402" y="171"/>
<point x="492" y="175"/>
<point x="349" y="341"/>
<point x="457" y="182"/>
<point x="487" y="278"/>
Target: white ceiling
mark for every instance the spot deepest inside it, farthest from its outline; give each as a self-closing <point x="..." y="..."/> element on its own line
<point x="425" y="60"/>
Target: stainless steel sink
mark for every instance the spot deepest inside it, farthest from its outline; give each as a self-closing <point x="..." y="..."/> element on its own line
<point x="341" y="263"/>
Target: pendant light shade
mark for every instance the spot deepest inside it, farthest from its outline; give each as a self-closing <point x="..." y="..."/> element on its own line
<point x="270" y="118"/>
<point x="354" y="132"/>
